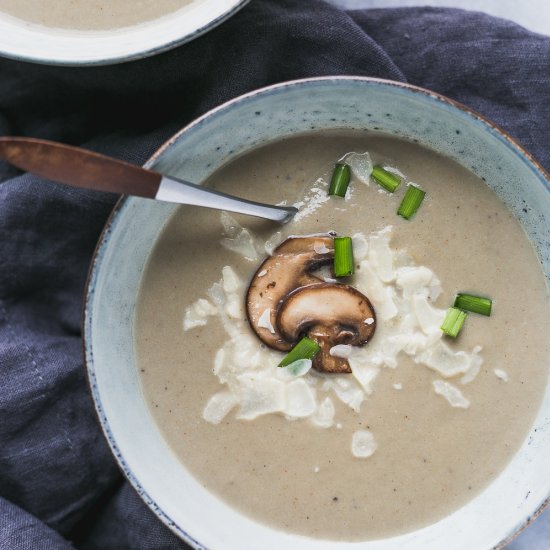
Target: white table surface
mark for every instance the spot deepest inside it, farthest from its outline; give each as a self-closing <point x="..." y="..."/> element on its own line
<point x="534" y="15"/>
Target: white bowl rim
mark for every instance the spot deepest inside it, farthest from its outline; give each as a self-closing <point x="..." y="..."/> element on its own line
<point x="82" y="48"/>
<point x="122" y="203"/>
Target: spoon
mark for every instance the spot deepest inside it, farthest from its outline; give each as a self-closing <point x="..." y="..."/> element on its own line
<point x="81" y="168"/>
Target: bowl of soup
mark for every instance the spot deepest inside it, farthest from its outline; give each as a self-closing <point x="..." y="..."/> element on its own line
<point x="69" y="32"/>
<point x="415" y="275"/>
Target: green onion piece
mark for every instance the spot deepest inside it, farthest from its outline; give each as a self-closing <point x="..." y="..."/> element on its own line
<point x="343" y="257"/>
<point x="340" y="180"/>
<point x="390" y="182"/>
<point x="452" y="324"/>
<point x="475" y="304"/>
<point x="306" y="348"/>
<point x="411" y="202"/>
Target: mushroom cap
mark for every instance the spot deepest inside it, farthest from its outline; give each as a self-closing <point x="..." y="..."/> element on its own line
<point x="330" y="314"/>
<point x="288" y="268"/>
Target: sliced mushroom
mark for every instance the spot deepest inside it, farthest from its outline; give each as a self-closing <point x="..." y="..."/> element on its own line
<point x="330" y="314"/>
<point x="288" y="268"/>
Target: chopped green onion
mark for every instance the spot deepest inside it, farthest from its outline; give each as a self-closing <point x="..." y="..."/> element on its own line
<point x="306" y="348"/>
<point x="343" y="257"/>
<point x="340" y="180"/>
<point x="452" y="324"/>
<point x="390" y="182"/>
<point x="411" y="201"/>
<point x="475" y="304"/>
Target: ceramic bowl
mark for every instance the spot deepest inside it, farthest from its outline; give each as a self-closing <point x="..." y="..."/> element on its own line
<point x="39" y="44"/>
<point x="178" y="499"/>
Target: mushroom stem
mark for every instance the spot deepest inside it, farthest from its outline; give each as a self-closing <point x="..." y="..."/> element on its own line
<point x="324" y="361"/>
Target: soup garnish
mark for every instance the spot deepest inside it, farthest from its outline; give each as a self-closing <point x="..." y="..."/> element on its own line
<point x="331" y="314"/>
<point x="390" y="182"/>
<point x="343" y="257"/>
<point x="340" y="180"/>
<point x="286" y="301"/>
<point x="453" y="322"/>
<point x="305" y="350"/>
<point x="288" y="298"/>
<point x="411" y="202"/>
<point x="475" y="304"/>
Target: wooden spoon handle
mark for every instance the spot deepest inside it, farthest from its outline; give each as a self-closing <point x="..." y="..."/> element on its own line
<point x="78" y="167"/>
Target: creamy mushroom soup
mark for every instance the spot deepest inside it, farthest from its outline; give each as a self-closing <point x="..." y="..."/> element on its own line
<point x="86" y="15"/>
<point x="410" y="423"/>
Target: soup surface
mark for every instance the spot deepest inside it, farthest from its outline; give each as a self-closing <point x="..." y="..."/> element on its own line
<point x="90" y="15"/>
<point x="431" y="457"/>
